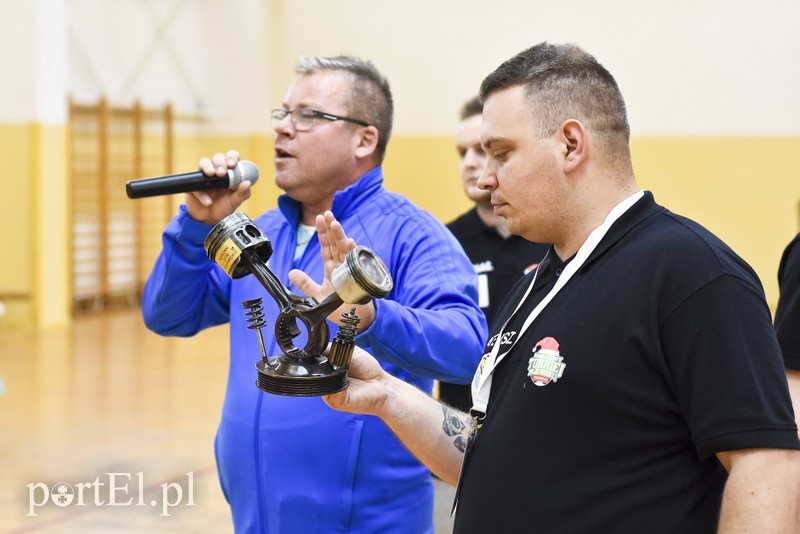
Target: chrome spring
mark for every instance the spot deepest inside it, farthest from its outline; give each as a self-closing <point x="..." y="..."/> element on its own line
<point x="254" y="315"/>
<point x="341" y="352"/>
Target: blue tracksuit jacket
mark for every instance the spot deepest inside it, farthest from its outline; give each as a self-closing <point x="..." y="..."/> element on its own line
<point x="292" y="464"/>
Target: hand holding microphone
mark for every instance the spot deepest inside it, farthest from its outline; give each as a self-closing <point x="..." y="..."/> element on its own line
<point x="192" y="181"/>
<point x="214" y="192"/>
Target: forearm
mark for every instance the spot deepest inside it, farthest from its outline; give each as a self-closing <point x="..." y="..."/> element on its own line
<point x="184" y="294"/>
<point x="434" y="433"/>
<point x="762" y="493"/>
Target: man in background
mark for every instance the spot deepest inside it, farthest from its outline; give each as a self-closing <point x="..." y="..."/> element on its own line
<point x="291" y="464"/>
<point x="499" y="257"/>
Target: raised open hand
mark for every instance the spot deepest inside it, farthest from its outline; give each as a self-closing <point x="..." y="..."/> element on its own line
<point x="334" y="246"/>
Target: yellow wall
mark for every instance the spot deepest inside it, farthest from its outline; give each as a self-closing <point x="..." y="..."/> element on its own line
<point x="425" y="169"/>
<point x="49" y="219"/>
<point x="16" y="267"/>
<point x="34" y="273"/>
<point x="745" y="190"/>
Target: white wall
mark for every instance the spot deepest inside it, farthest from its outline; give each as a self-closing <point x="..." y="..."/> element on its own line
<point x="685" y="66"/>
<point x="207" y="57"/>
<point x="31" y="44"/>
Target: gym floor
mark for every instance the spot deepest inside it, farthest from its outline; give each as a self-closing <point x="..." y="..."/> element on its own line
<point x="107" y="427"/>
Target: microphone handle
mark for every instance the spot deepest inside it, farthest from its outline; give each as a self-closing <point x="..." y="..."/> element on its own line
<point x="176" y="183"/>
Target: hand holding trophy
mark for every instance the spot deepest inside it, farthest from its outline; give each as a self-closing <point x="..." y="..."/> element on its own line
<point x="238" y="246"/>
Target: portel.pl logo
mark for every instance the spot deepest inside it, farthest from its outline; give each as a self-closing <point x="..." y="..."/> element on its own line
<point x="118" y="489"/>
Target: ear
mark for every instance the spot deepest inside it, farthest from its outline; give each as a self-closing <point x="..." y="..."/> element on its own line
<point x="366" y="142"/>
<point x="573" y="136"/>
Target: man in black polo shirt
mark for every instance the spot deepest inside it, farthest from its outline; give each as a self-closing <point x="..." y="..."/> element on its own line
<point x="787" y="317"/>
<point x="633" y="382"/>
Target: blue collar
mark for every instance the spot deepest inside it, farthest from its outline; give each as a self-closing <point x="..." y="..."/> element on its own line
<point x="354" y="195"/>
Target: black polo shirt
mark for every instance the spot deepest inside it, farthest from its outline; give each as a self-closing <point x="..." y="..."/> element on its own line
<point x="500" y="263"/>
<point x="667" y="356"/>
<point x="787" y="315"/>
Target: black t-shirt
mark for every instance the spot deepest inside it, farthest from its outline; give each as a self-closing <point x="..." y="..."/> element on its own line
<point x="659" y="353"/>
<point x="500" y="263"/>
<point x="787" y="315"/>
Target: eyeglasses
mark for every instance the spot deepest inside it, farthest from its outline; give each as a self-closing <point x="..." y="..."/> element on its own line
<point x="303" y="118"/>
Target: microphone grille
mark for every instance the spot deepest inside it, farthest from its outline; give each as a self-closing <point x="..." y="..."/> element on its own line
<point x="244" y="171"/>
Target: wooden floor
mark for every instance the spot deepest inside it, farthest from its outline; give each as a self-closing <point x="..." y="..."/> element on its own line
<point x="108" y="402"/>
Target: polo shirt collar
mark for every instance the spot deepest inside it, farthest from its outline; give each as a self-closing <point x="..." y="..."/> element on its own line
<point x="642" y="210"/>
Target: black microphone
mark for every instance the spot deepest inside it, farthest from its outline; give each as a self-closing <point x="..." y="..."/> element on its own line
<point x="192" y="181"/>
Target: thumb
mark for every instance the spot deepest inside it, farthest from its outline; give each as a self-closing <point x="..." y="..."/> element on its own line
<point x="241" y="194"/>
<point x="304" y="283"/>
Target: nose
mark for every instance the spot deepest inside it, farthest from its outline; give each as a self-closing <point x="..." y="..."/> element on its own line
<point x="284" y="126"/>
<point x="488" y="179"/>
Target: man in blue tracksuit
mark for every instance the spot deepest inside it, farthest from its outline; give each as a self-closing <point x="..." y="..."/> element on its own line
<point x="292" y="464"/>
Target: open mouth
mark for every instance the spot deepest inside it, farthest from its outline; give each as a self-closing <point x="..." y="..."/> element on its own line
<point x="281" y="153"/>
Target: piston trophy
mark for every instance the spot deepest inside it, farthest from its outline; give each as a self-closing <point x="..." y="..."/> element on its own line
<point x="238" y="246"/>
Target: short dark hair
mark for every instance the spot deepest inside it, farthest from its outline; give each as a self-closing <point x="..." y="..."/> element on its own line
<point x="472" y="107"/>
<point x="370" y="99"/>
<point x="561" y="82"/>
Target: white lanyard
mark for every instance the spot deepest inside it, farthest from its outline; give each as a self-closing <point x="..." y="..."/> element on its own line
<point x="482" y="381"/>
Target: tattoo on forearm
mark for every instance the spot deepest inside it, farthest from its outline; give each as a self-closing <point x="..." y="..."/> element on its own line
<point x="454" y="426"/>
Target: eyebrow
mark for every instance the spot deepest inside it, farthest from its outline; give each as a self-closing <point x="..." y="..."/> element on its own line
<point x="301" y="105"/>
<point x="493" y="140"/>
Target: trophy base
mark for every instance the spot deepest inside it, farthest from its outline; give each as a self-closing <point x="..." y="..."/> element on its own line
<point x="300" y="377"/>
